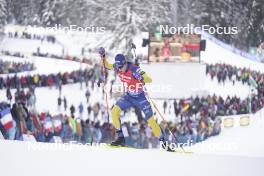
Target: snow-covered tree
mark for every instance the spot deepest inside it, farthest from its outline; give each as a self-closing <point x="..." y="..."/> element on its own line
<point x="239" y="13"/>
<point x="22" y="11"/>
<point x="3" y="13"/>
<point x="53" y="12"/>
<point x="76" y="12"/>
<point x="47" y="12"/>
<point x="126" y="18"/>
<point x="256" y="23"/>
<point x="3" y="17"/>
<point x="190" y="12"/>
<point x="67" y="12"/>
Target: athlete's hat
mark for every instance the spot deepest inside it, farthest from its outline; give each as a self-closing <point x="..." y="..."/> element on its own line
<point x="120" y="60"/>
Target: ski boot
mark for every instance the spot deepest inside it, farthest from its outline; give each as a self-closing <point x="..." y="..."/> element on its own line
<point x="165" y="145"/>
<point x="120" y="141"/>
<point x="164" y="142"/>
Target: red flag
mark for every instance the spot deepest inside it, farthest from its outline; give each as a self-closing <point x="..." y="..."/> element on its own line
<point x="6" y="118"/>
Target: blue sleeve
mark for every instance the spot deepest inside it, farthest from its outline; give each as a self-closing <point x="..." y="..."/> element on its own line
<point x="134" y="68"/>
<point x="136" y="72"/>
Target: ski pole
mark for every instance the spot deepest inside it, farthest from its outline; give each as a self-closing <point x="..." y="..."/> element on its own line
<point x="104" y="89"/>
<point x="106" y="95"/>
<point x="134" y="49"/>
<point x="160" y="114"/>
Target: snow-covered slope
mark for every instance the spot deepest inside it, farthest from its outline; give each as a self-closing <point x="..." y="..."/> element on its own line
<point x="182" y="80"/>
<point x="28" y="47"/>
<point x="238" y="140"/>
<point x="46" y="65"/>
<point x="215" y="53"/>
<point x="20" y="158"/>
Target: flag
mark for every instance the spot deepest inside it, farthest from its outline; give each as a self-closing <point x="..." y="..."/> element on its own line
<point x="6" y="118"/>
<point x="57" y="125"/>
<point x="186" y="105"/>
<point x="252" y="82"/>
<point x="48" y="126"/>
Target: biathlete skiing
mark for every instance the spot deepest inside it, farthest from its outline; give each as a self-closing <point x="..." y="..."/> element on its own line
<point x="133" y="79"/>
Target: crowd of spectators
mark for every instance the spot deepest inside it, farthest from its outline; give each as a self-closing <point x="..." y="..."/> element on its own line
<point x="49" y="55"/>
<point x="42" y="80"/>
<point x="43" y="126"/>
<point x="7" y="67"/>
<point x="254" y="79"/>
<point x="225" y="72"/>
<point x="206" y="110"/>
<point x="196" y="118"/>
<point x="31" y="36"/>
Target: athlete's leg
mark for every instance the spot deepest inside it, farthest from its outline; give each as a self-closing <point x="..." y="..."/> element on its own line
<point x="122" y="104"/>
<point x="116" y="110"/>
<point x="155" y="127"/>
<point x="145" y="106"/>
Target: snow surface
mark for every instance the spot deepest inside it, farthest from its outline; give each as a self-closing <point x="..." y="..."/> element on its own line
<point x="45" y="65"/>
<point x="217" y="54"/>
<point x="240" y="140"/>
<point x="42" y="159"/>
<point x="183" y="80"/>
<point x="27" y="46"/>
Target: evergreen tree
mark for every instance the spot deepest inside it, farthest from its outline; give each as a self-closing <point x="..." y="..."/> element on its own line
<point x="256" y="23"/>
<point x="3" y="14"/>
<point x="126" y="18"/>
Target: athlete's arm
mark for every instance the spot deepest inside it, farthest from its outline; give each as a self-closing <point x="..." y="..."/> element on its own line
<point x="146" y="78"/>
<point x="141" y="75"/>
<point x="107" y="64"/>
